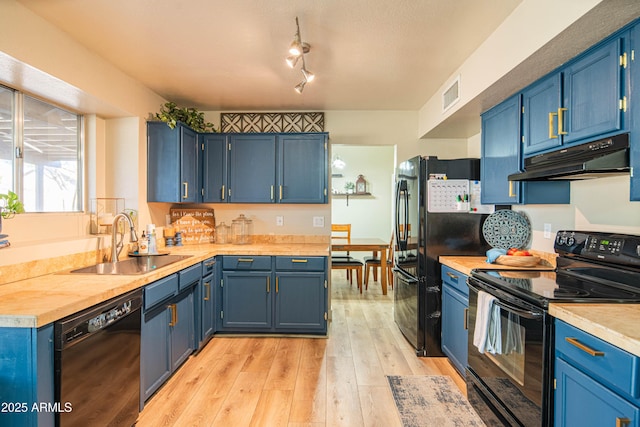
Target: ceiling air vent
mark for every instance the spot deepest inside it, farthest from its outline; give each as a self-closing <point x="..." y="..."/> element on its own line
<point x="451" y="95"/>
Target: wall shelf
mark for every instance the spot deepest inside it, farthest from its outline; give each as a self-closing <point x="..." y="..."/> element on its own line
<point x="348" y="195"/>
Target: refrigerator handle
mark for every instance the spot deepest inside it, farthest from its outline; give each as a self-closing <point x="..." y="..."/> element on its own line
<point x="399" y="240"/>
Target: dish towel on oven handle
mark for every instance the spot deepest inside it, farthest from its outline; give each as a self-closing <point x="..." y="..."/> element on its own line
<point x="487" y="336"/>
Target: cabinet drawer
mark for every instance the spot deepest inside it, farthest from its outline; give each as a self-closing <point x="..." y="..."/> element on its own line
<point x="208" y="266"/>
<point x="290" y="263"/>
<point x="160" y="290"/>
<point x="610" y="364"/>
<point x="190" y="275"/>
<point x="455" y="279"/>
<point x="259" y="262"/>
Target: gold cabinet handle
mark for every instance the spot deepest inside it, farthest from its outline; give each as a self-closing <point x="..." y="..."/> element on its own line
<point x="511" y="193"/>
<point x="551" y="116"/>
<point x="272" y="192"/>
<point x="268" y="284"/>
<point x="588" y="350"/>
<point x="281" y="192"/>
<point x="222" y="192"/>
<point x="561" y="121"/>
<point x="185" y="194"/>
<point x="245" y="259"/>
<point x="453" y="276"/>
<point x="466" y="318"/>
<point x="276" y="285"/>
<point x="207" y="295"/>
<point x="209" y="264"/>
<point x="622" y="422"/>
<point x="299" y="260"/>
<point x="174" y="314"/>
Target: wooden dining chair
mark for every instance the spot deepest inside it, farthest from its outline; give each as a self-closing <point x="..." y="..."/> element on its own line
<point x="374" y="262"/>
<point x="343" y="260"/>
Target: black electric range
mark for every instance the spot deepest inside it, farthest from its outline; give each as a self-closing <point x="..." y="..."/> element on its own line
<point x="591" y="267"/>
<point x="514" y="385"/>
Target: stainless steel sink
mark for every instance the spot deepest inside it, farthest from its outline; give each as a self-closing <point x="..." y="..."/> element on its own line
<point x="132" y="266"/>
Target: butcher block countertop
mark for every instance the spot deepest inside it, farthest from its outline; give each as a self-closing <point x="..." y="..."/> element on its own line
<point x="615" y="323"/>
<point x="38" y="301"/>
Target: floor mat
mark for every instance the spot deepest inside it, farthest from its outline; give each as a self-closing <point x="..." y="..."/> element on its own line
<point x="431" y="401"/>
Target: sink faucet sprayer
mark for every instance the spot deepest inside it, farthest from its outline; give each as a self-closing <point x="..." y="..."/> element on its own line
<point x="116" y="247"/>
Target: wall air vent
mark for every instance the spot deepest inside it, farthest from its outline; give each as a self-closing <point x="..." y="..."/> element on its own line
<point x="451" y="94"/>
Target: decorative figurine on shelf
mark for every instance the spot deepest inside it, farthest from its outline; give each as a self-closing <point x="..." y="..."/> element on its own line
<point x="361" y="185"/>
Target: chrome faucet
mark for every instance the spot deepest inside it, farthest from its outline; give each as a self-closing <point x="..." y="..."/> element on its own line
<point x="116" y="247"/>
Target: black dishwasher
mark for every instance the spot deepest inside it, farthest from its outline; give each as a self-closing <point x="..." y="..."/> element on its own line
<point x="97" y="364"/>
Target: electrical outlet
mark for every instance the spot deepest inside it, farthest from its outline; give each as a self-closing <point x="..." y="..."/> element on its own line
<point x="547" y="231"/>
<point x="279" y="220"/>
<point x="318" y="221"/>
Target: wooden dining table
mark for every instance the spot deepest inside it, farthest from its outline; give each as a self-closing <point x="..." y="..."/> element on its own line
<point x="365" y="245"/>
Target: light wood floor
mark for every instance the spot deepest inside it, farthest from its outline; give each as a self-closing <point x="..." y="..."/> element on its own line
<point x="337" y="381"/>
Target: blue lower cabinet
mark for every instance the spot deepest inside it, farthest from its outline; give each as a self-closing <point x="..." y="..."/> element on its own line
<point x="273" y="295"/>
<point x="300" y="302"/>
<point x="205" y="302"/>
<point x="596" y="382"/>
<point x="167" y="335"/>
<point x="26" y="377"/>
<point x="455" y="305"/>
<point x="246" y="300"/>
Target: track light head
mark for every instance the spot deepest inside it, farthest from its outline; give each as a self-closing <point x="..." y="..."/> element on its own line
<point x="292" y="61"/>
<point x="308" y="75"/>
<point x="300" y="86"/>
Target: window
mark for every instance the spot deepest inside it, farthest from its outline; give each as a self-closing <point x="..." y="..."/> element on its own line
<point x="40" y="153"/>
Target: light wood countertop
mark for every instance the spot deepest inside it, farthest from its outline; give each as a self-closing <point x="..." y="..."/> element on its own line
<point x="41" y="300"/>
<point x="464" y="264"/>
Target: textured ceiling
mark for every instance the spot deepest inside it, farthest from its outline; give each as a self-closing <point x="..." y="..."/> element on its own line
<point x="229" y="55"/>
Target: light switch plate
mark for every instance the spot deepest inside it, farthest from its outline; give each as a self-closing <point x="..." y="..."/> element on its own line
<point x="318" y="221"/>
<point x="547" y="231"/>
<point x="279" y="220"/>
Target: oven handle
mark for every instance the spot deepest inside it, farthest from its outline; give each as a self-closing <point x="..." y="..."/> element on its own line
<point x="527" y="314"/>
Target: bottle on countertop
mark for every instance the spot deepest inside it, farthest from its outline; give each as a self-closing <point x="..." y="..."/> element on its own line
<point x="143" y="244"/>
<point x="151" y="233"/>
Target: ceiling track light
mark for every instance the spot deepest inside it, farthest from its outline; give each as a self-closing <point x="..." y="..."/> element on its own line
<point x="298" y="49"/>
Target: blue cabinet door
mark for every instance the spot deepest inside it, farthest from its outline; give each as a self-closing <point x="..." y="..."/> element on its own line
<point x="155" y="362"/>
<point x="181" y="328"/>
<point x="302" y="168"/>
<point x="207" y="308"/>
<point x="592" y="91"/>
<point x="172" y="166"/>
<point x="455" y="304"/>
<point x="214" y="167"/>
<point x="582" y="401"/>
<point x="301" y="299"/>
<point x="540" y="104"/>
<point x="247" y="300"/>
<point x="500" y="153"/>
<point x="252" y="168"/>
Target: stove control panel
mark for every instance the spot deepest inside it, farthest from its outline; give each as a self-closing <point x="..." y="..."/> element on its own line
<point x="608" y="247"/>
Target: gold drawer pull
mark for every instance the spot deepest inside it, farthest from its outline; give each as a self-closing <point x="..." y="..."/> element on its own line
<point x="453" y="276"/>
<point x="245" y="259"/>
<point x="299" y="260"/>
<point x="590" y="351"/>
<point x="622" y="422"/>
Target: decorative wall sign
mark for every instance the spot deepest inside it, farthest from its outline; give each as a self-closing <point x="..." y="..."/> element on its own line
<point x="271" y="122"/>
<point x="196" y="225"/>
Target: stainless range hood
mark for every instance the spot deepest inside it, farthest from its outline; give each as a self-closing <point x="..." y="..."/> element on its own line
<point x="605" y="157"/>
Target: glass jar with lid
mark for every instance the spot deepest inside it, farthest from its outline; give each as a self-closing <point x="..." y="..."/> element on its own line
<point x="241" y="230"/>
<point x="222" y="233"/>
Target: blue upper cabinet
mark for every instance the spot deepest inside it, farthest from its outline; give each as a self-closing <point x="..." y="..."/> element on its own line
<point x="634" y="119"/>
<point x="500" y="153"/>
<point x="501" y="156"/>
<point x="213" y="147"/>
<point x="172" y="172"/>
<point x="252" y="168"/>
<point x="540" y="106"/>
<point x="579" y="102"/>
<point x="302" y="168"/>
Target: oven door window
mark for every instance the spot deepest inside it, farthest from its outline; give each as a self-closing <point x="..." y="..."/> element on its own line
<point x="512" y="365"/>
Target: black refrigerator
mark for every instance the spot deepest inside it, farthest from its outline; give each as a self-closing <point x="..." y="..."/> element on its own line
<point x="433" y="217"/>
